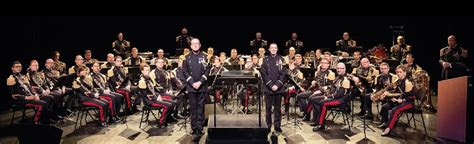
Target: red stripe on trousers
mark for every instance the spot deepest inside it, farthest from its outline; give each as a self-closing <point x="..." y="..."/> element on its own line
<point x="218" y="96"/>
<point x="163" y="115"/>
<point x="112" y="109"/>
<point x="38" y="108"/>
<point x="323" y="109"/>
<point x="309" y="107"/>
<point x="247" y="95"/>
<point x="101" y="109"/>
<point x="166" y="97"/>
<point x="395" y="114"/>
<point x="127" y="97"/>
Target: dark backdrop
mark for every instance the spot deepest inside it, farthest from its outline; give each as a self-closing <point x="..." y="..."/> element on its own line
<point x="36" y="37"/>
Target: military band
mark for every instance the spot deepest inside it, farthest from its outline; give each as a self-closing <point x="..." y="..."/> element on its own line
<point x="115" y="88"/>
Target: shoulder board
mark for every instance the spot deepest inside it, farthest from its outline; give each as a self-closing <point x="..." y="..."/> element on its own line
<point x="11" y="81"/>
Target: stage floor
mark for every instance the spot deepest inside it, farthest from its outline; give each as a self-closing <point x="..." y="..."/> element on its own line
<point x="336" y="133"/>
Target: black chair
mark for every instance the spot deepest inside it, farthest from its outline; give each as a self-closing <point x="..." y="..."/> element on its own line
<point x="147" y="110"/>
<point x="16" y="107"/>
<point x="416" y="109"/>
<point x="82" y="110"/>
<point x="343" y="110"/>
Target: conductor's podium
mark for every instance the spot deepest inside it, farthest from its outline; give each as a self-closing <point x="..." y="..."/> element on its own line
<point x="237" y="129"/>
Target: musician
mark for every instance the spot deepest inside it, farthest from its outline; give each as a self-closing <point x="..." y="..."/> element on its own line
<point x="295" y="73"/>
<point x="255" y="60"/>
<point x="50" y="74"/>
<point x="161" y="55"/>
<point x="453" y="58"/>
<point x="367" y="73"/>
<point x="153" y="98"/>
<point x="257" y="43"/>
<point x="345" y="43"/>
<point x="249" y="89"/>
<point x="178" y="76"/>
<point x="261" y="55"/>
<point x="58" y="64"/>
<point x="273" y="74"/>
<point x="400" y="50"/>
<point x="134" y="59"/>
<point x="162" y="81"/>
<point x="121" y="46"/>
<point x="210" y="54"/>
<point x="331" y="60"/>
<point x="294" y="42"/>
<point x="183" y="40"/>
<point x="88" y="58"/>
<point x="196" y="71"/>
<point x="298" y="62"/>
<point x="412" y="68"/>
<point x="38" y="83"/>
<point x="102" y="86"/>
<point x="381" y="81"/>
<point x="234" y="58"/>
<point x="110" y="61"/>
<point x="20" y="90"/>
<point x="79" y="62"/>
<point x="223" y="59"/>
<point x="323" y="77"/>
<point x="290" y="56"/>
<point x="356" y="61"/>
<point x="217" y="90"/>
<point x="400" y="99"/>
<point x="119" y="80"/>
<point x="88" y="96"/>
<point x="318" y="55"/>
<point x="337" y="95"/>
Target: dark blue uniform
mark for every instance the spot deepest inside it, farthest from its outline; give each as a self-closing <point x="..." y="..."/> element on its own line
<point x="273" y="73"/>
<point x="196" y="68"/>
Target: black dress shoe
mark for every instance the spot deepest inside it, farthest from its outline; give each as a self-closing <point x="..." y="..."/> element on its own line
<point x="313" y="124"/>
<point x="103" y="124"/>
<point x="368" y="117"/>
<point x="306" y="117"/>
<point x="199" y="132"/>
<point x="193" y="132"/>
<point x="386" y="132"/>
<point x="318" y="128"/>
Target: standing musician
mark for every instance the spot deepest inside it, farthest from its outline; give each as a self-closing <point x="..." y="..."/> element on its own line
<point x="153" y="98"/>
<point x="196" y="69"/>
<point x="273" y="74"/>
<point x="345" y="43"/>
<point x="399" y="100"/>
<point x="294" y="42"/>
<point x="257" y="43"/>
<point x="89" y="96"/>
<point x="120" y="81"/>
<point x="121" y="46"/>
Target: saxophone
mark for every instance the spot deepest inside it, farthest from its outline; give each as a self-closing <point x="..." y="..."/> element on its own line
<point x="377" y="96"/>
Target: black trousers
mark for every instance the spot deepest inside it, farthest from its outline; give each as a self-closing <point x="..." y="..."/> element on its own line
<point x="196" y="103"/>
<point x="275" y="101"/>
<point x="303" y="100"/>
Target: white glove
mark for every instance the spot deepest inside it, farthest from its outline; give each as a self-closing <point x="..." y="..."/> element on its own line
<point x="96" y="95"/>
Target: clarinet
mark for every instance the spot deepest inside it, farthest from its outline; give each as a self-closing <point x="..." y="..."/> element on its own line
<point x="28" y="92"/>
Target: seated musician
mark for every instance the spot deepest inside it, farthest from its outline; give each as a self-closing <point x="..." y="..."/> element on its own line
<point x="79" y="62"/>
<point x="216" y="90"/>
<point x="210" y="54"/>
<point x="318" y="55"/>
<point x="250" y="89"/>
<point x="88" y="96"/>
<point x="121" y="46"/>
<point x="367" y="73"/>
<point x="291" y="55"/>
<point x="337" y="95"/>
<point x="160" y="54"/>
<point x="298" y="62"/>
<point x="295" y="73"/>
<point x="223" y="59"/>
<point x="398" y="100"/>
<point x="88" y="57"/>
<point x="110" y="61"/>
<point x="412" y="68"/>
<point x="400" y="50"/>
<point x="120" y="81"/>
<point x="330" y="58"/>
<point x="162" y="82"/>
<point x="356" y="61"/>
<point x="20" y="90"/>
<point x="38" y="82"/>
<point x="134" y="59"/>
<point x="381" y="81"/>
<point x="177" y="76"/>
<point x="261" y="55"/>
<point x="345" y="43"/>
<point x="255" y="60"/>
<point x="234" y="58"/>
<point x="322" y="78"/>
<point x="153" y="98"/>
<point x="58" y="64"/>
<point x="103" y="87"/>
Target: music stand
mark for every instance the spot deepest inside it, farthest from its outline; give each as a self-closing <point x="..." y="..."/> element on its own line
<point x="183" y="124"/>
<point x="296" y="122"/>
<point x="233" y="67"/>
<point x="308" y="72"/>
